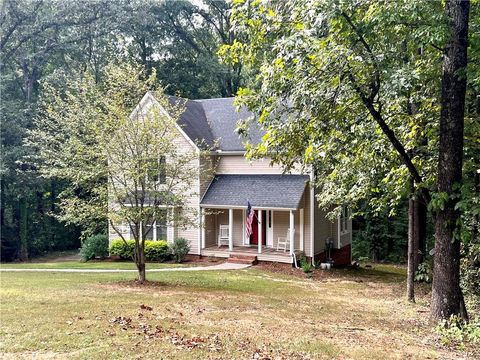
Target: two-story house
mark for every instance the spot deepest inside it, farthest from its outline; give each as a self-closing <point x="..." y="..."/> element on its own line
<point x="286" y="221"/>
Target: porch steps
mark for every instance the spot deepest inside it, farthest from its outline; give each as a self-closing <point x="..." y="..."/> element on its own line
<point x="242" y="259"/>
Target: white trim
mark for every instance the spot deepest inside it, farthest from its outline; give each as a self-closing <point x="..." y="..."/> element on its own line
<point x="228" y="152"/>
<point x="150" y="96"/>
<point x="292" y="232"/>
<point x="260" y="231"/>
<point x="170" y="228"/>
<point x="246" y="240"/>
<point x="244" y="207"/>
<point x="269" y="231"/>
<point x="230" y="229"/>
<point x="302" y="236"/>
<point x="202" y="233"/>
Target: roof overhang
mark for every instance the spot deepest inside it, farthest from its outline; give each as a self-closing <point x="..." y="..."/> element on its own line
<point x="282" y="192"/>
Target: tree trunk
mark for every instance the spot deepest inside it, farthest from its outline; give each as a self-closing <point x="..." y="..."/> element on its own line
<point x="421" y="225"/>
<point x="416" y="233"/>
<point x="447" y="296"/>
<point x="23" y="249"/>
<point x="141" y="265"/>
<point x="411" y="250"/>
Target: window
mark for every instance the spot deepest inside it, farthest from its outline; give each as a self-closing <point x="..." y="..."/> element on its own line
<point x="161" y="229"/>
<point x="156" y="170"/>
<point x="344" y="219"/>
<point x="157" y="230"/>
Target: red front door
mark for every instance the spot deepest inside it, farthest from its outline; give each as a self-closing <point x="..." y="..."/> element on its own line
<point x="255" y="229"/>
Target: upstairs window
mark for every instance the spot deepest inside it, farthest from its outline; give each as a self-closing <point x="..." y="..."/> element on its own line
<point x="156" y="170"/>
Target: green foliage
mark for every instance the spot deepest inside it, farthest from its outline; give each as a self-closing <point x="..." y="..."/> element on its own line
<point x="380" y="237"/>
<point x="154" y="250"/>
<point x="470" y="271"/>
<point x="424" y="272"/>
<point x="306" y="266"/>
<point x="179" y="249"/>
<point x="458" y="333"/>
<point x="122" y="248"/>
<point x="324" y="57"/>
<point x="157" y="250"/>
<point x="94" y="246"/>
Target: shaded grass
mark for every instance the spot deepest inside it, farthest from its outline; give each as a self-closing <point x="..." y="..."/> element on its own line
<point x="111" y="265"/>
<point x="200" y="315"/>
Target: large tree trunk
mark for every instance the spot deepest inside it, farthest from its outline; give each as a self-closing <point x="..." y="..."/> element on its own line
<point x="447" y="297"/>
<point x="421" y="230"/>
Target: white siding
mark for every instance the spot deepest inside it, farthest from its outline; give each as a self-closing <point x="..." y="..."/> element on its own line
<point x="238" y="164"/>
<point x="324" y="228"/>
<point x="192" y="233"/>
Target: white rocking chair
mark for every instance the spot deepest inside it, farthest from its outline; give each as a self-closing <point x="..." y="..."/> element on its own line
<point x="283" y="242"/>
<point x="223" y="236"/>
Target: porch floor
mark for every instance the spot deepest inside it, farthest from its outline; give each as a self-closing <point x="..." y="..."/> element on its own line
<point x="268" y="254"/>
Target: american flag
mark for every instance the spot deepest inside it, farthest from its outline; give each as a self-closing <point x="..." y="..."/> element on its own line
<point x="249" y="221"/>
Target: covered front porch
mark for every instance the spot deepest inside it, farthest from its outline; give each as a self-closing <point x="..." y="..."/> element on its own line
<point x="280" y="226"/>
<point x="267" y="254"/>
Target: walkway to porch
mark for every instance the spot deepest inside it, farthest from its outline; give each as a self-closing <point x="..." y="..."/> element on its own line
<point x="268" y="254"/>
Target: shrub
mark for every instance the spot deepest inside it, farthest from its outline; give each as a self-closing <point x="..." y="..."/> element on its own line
<point x="306" y="266"/>
<point x="94" y="246"/>
<point x="157" y="250"/>
<point x="458" y="333"/>
<point x="122" y="249"/>
<point x="154" y="250"/>
<point x="179" y="249"/>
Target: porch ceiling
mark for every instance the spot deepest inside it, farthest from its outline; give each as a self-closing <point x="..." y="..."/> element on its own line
<point x="263" y="191"/>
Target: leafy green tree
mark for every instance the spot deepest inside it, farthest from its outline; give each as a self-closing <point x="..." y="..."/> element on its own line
<point x="102" y="148"/>
<point x="36" y="38"/>
<point x="180" y="39"/>
<point x="350" y="88"/>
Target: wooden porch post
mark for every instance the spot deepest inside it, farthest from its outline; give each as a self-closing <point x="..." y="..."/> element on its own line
<point x="202" y="224"/>
<point x="230" y="229"/>
<point x="292" y="232"/>
<point x="260" y="232"/>
<point x="302" y="236"/>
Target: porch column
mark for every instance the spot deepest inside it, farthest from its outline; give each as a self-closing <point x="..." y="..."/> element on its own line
<point x="230" y="229"/>
<point x="302" y="236"/>
<point x="202" y="224"/>
<point x="292" y="232"/>
<point x="260" y="232"/>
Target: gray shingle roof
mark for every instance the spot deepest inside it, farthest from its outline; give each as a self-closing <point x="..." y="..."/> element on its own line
<point x="193" y="121"/>
<point x="269" y="191"/>
<point x="215" y="120"/>
<point x="222" y="118"/>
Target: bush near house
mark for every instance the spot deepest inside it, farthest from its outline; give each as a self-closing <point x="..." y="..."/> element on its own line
<point x="154" y="250"/>
<point x="94" y="246"/>
<point x="179" y="249"/>
<point x="157" y="251"/>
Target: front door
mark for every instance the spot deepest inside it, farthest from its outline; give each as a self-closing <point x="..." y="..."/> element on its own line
<point x="256" y="227"/>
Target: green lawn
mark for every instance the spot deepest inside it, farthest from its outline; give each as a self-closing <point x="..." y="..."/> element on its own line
<point x="89" y="265"/>
<point x="218" y="315"/>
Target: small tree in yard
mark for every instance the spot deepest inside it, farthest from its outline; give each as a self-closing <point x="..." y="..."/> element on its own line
<point x="137" y="172"/>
